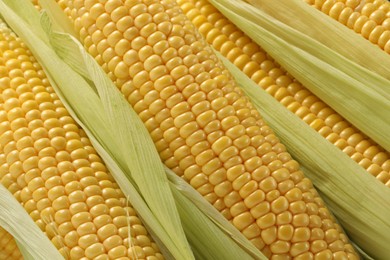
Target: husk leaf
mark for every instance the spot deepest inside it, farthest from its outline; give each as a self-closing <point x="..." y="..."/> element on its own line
<point x="317" y="25"/>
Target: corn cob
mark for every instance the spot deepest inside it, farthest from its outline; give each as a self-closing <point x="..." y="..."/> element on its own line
<point x="50" y="166"/>
<point x="260" y="67"/>
<point x="8" y="248"/>
<point x="204" y="128"/>
<point x="370" y="18"/>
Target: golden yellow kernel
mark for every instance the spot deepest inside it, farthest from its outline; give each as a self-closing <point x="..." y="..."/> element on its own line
<point x="331" y="235"/>
<point x="384" y="177"/>
<point x="299" y="248"/>
<point x="88" y="239"/>
<point x="243" y="220"/>
<point x="280" y="247"/>
<point x="327" y="6"/>
<point x="336" y="9"/>
<point x="266" y="221"/>
<point x="260" y="209"/>
<point x="367" y="28"/>
<point x="238" y="209"/>
<point x="269" y="235"/>
<point x="94" y="250"/>
<point x="386" y="22"/>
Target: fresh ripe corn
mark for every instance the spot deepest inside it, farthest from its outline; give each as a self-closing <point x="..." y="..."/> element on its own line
<point x="50" y="166"/>
<point x="260" y="67"/>
<point x="370" y="18"/>
<point x="204" y="128"/>
<point x="8" y="248"/>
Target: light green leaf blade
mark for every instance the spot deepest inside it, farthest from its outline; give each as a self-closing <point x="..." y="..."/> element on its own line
<point x="312" y="22"/>
<point x="24" y="251"/>
<point x="19" y="224"/>
<point x="29" y="14"/>
<point x="360" y="96"/>
<point x="57" y="16"/>
<point x="360" y="202"/>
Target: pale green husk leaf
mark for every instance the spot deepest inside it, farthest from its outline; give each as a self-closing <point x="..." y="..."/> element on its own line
<point x="57" y="17"/>
<point x="321" y="27"/>
<point x="32" y="242"/>
<point x="358" y="94"/>
<point x="360" y="202"/>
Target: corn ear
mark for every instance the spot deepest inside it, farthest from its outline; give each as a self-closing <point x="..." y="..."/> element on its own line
<point x="261" y="68"/>
<point x="304" y="18"/>
<point x="359" y="201"/>
<point x="358" y="94"/>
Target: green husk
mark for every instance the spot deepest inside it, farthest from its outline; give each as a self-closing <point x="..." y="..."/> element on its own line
<point x="32" y="242"/>
<point x="358" y="94"/>
<point x="130" y="154"/>
<point x="360" y="202"/>
<point x="321" y="27"/>
<point x="58" y="18"/>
